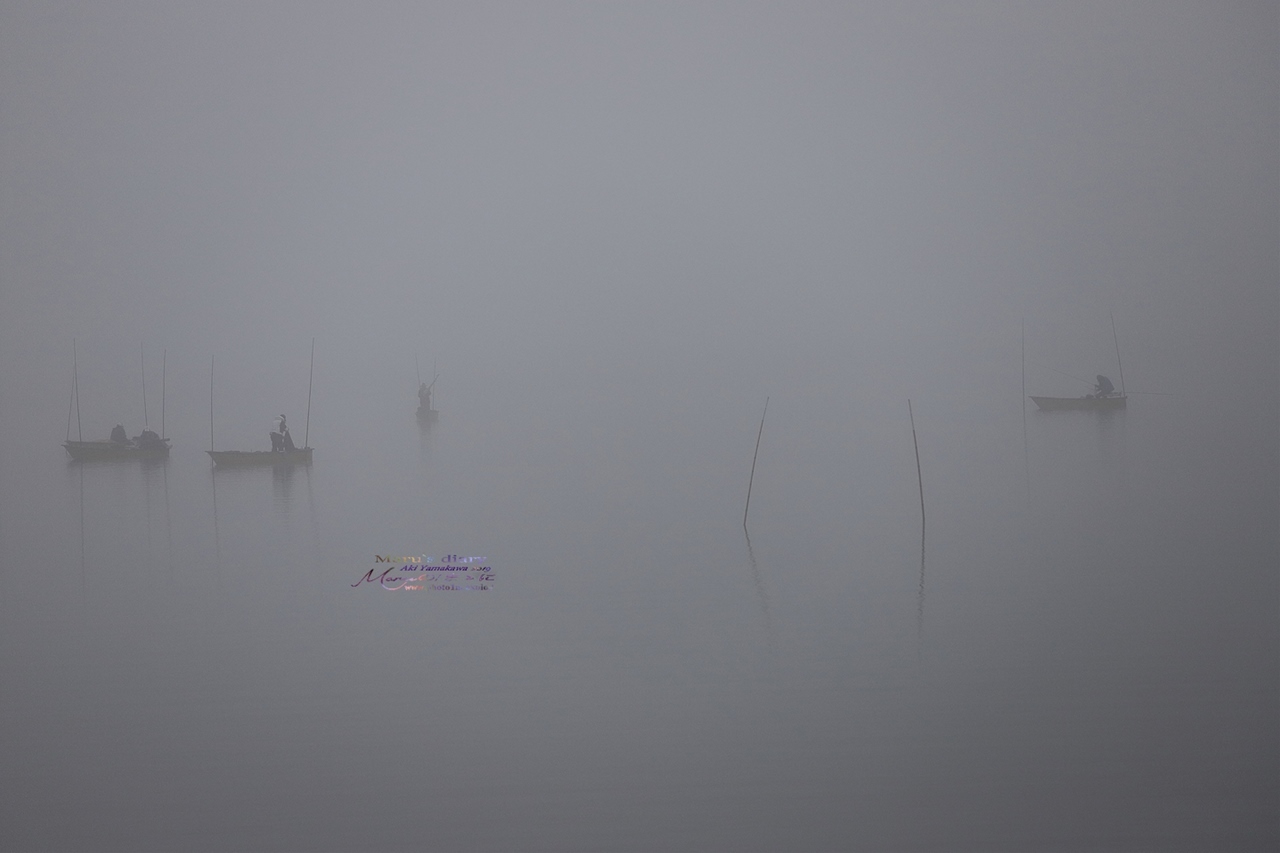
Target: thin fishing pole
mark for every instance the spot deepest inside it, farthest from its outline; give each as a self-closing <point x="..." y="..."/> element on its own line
<point x="70" y="403"/>
<point x="1068" y="375"/>
<point x="919" y="474"/>
<point x="306" y="438"/>
<point x="142" y="360"/>
<point x="752" y="479"/>
<point x="1119" y="363"/>
<point x="1026" y="452"/>
<point x="920" y="479"/>
<point x="75" y="373"/>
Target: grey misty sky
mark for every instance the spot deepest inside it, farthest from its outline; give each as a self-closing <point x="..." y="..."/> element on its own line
<point x="599" y="180"/>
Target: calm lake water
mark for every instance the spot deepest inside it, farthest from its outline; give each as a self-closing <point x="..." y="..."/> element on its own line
<point x="1086" y="658"/>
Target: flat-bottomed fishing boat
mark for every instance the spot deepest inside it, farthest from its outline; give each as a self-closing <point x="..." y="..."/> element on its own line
<point x="249" y="458"/>
<point x="148" y="445"/>
<point x="1088" y="404"/>
<point x="283" y="453"/>
<point x="90" y="451"/>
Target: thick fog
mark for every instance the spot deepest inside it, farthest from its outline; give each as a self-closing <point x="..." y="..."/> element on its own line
<point x="611" y="230"/>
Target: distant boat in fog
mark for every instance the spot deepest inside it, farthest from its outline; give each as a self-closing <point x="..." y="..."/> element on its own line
<point x="282" y="452"/>
<point x="140" y="447"/>
<point x="427" y="414"/>
<point x="148" y="445"/>
<point x="1104" y="398"/>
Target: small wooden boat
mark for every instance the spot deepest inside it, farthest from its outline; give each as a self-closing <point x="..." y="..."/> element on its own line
<point x="286" y="455"/>
<point x="253" y="458"/>
<point x="1107" y="399"/>
<point x="427" y="414"/>
<point x="149" y="445"/>
<point x="1087" y="404"/>
<point x="92" y="451"/>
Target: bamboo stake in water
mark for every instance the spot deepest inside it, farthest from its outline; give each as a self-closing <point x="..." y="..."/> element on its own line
<point x="211" y="403"/>
<point x="919" y="475"/>
<point x="920" y="479"/>
<point x="1117" y="340"/>
<point x="306" y="437"/>
<point x="164" y="363"/>
<point x="1026" y="452"/>
<point x="142" y="360"/>
<point x="70" y="403"/>
<point x="75" y="374"/>
<point x="753" y="463"/>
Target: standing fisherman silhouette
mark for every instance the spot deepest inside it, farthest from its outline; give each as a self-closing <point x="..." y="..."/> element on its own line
<point x="281" y="441"/>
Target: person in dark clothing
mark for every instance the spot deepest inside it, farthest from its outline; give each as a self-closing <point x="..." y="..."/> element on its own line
<point x="1104" y="388"/>
<point x="147" y="439"/>
<point x="278" y="437"/>
<point x="118" y="435"/>
<point x="286" y="440"/>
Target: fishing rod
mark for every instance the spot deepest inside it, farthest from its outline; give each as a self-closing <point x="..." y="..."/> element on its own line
<point x="1119" y="363"/>
<point x="306" y="437"/>
<point x="752" y="478"/>
<point x="75" y="374"/>
<point x="142" y="360"/>
<point x="1068" y="375"/>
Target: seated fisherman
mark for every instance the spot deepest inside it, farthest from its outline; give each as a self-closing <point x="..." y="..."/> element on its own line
<point x="1104" y="388"/>
<point x="286" y="440"/>
<point x="118" y="435"/>
<point x="147" y="439"/>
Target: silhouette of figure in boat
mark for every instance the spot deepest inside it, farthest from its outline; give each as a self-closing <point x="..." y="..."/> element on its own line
<point x="286" y="440"/>
<point x="424" y="398"/>
<point x="148" y="439"/>
<point x="1104" y="388"/>
<point x="281" y="441"/>
<point x="118" y="435"/>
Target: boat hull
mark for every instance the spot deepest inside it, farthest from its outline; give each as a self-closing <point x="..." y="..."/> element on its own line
<point x="1087" y="404"/>
<point x="427" y="417"/>
<point x="92" y="451"/>
<point x="258" y="458"/>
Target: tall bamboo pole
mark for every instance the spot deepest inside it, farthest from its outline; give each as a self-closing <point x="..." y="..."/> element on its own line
<point x="919" y="475"/>
<point x="1117" y="340"/>
<point x="142" y="360"/>
<point x="306" y="438"/>
<point x="75" y="373"/>
<point x="753" y="463"/>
